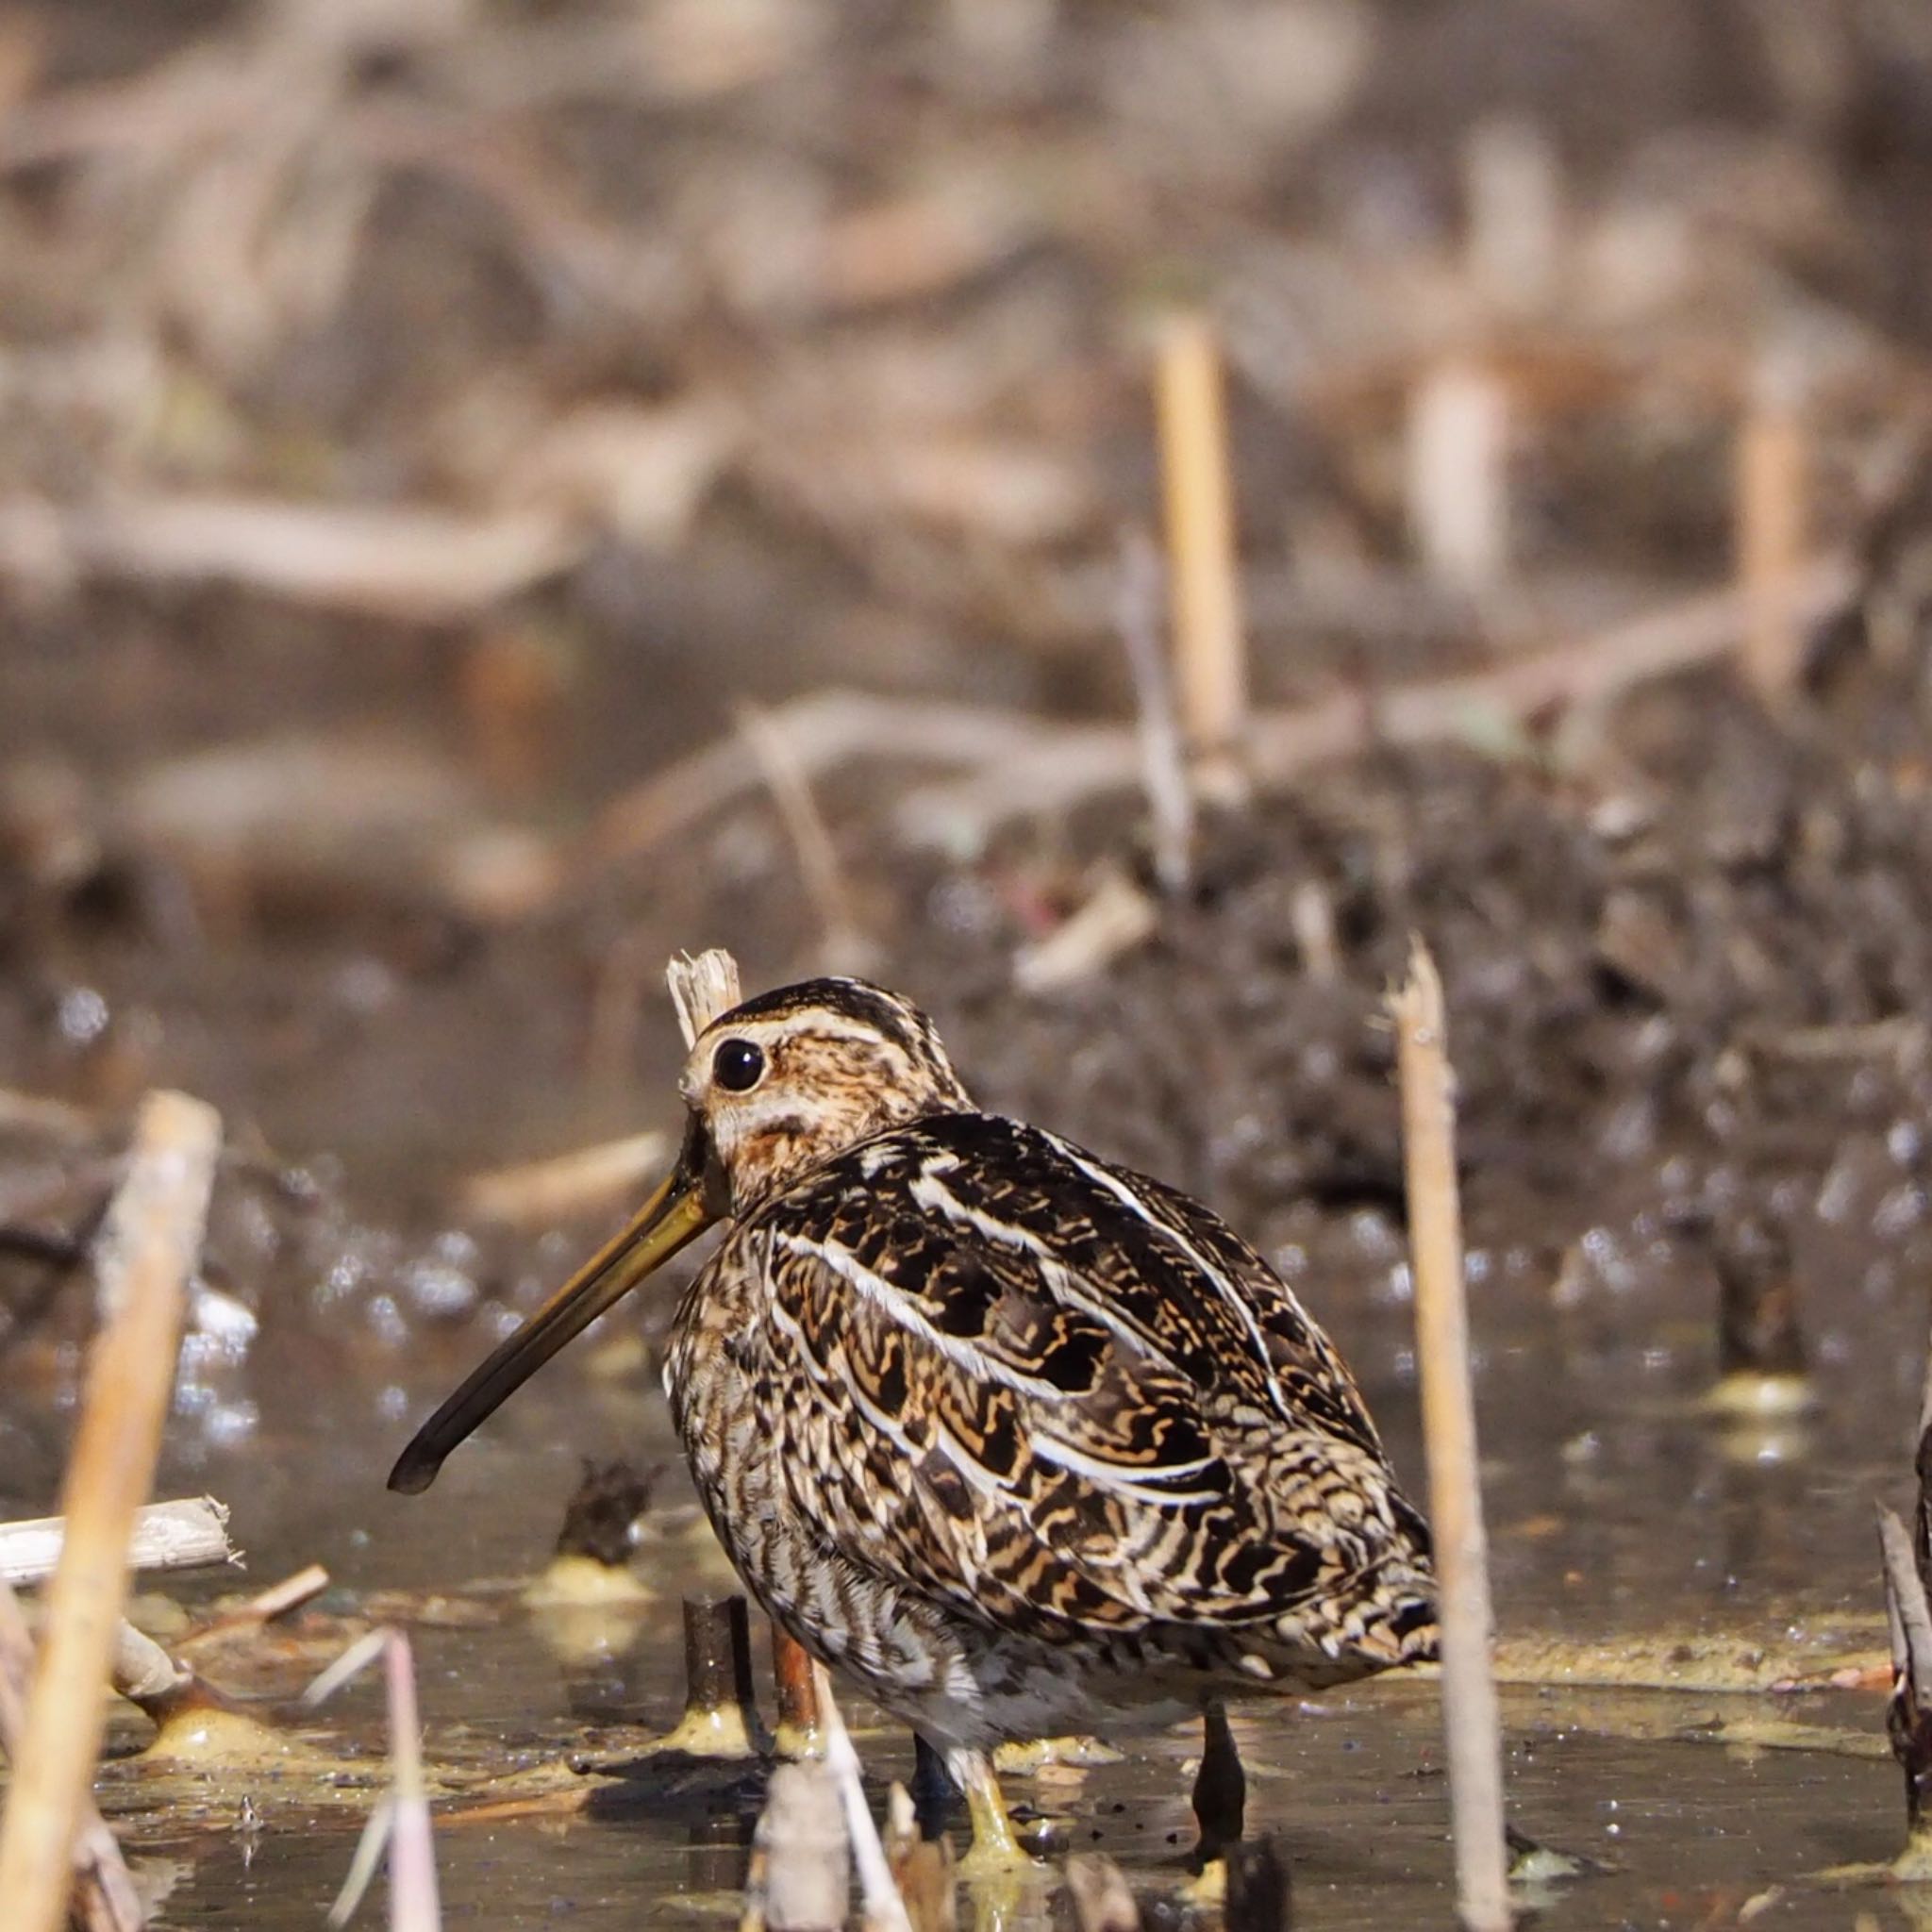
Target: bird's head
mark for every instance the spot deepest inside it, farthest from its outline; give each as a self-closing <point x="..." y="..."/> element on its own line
<point x="774" y="1088"/>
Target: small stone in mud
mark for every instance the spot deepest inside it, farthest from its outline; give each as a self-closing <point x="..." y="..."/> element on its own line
<point x="1758" y="1305"/>
<point x="598" y="1519"/>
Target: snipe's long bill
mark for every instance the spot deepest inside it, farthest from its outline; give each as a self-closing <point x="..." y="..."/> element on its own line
<point x="671" y="1219"/>
<point x="1022" y="1440"/>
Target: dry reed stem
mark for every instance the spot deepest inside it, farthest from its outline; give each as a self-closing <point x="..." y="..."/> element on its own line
<point x="801" y="1875"/>
<point x="536" y="1193"/>
<point x="1457" y="475"/>
<point x="407" y="561"/>
<point x="1101" y="1898"/>
<point x="105" y="1898"/>
<point x="1116" y="917"/>
<point x="841" y="940"/>
<point x="1769" y="534"/>
<point x="885" y="1911"/>
<point x="189" y="1534"/>
<point x="702" y="987"/>
<point x="1908" y="1614"/>
<point x="400" y="1822"/>
<point x="413" y="1904"/>
<point x="148" y="1252"/>
<point x="1210" y="652"/>
<point x="1469" y="1691"/>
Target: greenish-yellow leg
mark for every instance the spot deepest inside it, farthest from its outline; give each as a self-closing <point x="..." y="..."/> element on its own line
<point x="995" y="1848"/>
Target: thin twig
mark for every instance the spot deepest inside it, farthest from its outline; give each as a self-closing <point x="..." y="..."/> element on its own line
<point x="189" y="1534"/>
<point x="841" y="940"/>
<point x="400" y="1822"/>
<point x="1770" y="529"/>
<point x="410" y="561"/>
<point x="1210" y="651"/>
<point x="150" y="1250"/>
<point x="1434" y="1221"/>
<point x="104" y="1893"/>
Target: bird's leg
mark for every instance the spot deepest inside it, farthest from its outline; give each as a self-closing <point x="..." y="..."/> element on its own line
<point x="1220" y="1787"/>
<point x="934" y="1793"/>
<point x="995" y="1849"/>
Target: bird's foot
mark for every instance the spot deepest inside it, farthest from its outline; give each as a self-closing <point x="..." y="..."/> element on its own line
<point x="1206" y="1889"/>
<point x="996" y="1852"/>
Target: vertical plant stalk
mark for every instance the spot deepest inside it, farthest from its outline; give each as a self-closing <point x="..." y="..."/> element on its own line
<point x="801" y="1732"/>
<point x="884" y="1910"/>
<point x="413" y="1904"/>
<point x="1769" y="532"/>
<point x="1209" y="646"/>
<point x="148" y="1252"/>
<point x="399" y="1823"/>
<point x="105" y="1898"/>
<point x="1456" y="481"/>
<point x="1470" y="1718"/>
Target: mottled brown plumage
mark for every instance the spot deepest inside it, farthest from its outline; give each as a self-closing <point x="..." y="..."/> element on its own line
<point x="1023" y="1440"/>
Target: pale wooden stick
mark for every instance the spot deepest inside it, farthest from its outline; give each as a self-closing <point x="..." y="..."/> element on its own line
<point x="413" y="1904"/>
<point x="1210" y="652"/>
<point x="702" y="987"/>
<point x="1435" y="1233"/>
<point x="537" y="1193"/>
<point x="885" y="1911"/>
<point x="104" y="1896"/>
<point x="150" y="1250"/>
<point x="400" y="1821"/>
<point x="1770" y="533"/>
<point x="189" y="1534"/>
<point x="1457" y="475"/>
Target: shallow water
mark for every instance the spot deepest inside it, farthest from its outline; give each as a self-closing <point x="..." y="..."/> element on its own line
<point x="1619" y="1508"/>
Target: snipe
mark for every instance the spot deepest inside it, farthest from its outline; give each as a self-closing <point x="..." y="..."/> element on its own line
<point x="1022" y="1441"/>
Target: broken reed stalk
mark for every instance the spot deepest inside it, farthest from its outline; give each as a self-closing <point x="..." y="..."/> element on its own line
<point x="1469" y="1715"/>
<point x="148" y="1252"/>
<point x="105" y="1898"/>
<point x="1456" y="474"/>
<point x="1769" y="532"/>
<point x="800" y="1732"/>
<point x="800" y="1879"/>
<point x="1163" y="752"/>
<point x="190" y="1533"/>
<point x="1209" y="649"/>
<point x="885" y="1911"/>
<point x="400" y="1822"/>
<point x="702" y="987"/>
<point x="841" y="940"/>
<point x="413" y="1904"/>
<point x="721" y="1718"/>
<point x="1908" y="1710"/>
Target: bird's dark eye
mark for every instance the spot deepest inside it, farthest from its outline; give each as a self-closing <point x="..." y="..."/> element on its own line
<point x="737" y="1066"/>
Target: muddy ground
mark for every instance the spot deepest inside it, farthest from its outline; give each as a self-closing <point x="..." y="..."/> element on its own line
<point x="811" y="355"/>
